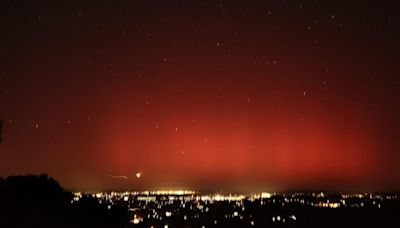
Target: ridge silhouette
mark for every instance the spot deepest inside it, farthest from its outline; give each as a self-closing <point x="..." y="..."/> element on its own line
<point x="39" y="201"/>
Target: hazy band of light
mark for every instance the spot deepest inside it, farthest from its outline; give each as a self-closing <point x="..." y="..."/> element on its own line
<point x="118" y="177"/>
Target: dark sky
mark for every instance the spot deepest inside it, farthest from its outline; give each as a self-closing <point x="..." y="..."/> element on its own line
<point x="202" y="94"/>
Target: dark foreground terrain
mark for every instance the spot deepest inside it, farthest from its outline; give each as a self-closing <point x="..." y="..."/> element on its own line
<point x="39" y="201"/>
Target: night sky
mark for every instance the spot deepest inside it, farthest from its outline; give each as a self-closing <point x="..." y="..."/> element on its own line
<point x="202" y="94"/>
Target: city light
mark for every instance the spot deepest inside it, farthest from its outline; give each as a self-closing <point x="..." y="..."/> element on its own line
<point x="189" y="205"/>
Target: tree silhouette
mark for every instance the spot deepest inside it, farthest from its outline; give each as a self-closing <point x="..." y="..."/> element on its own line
<point x="40" y="201"/>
